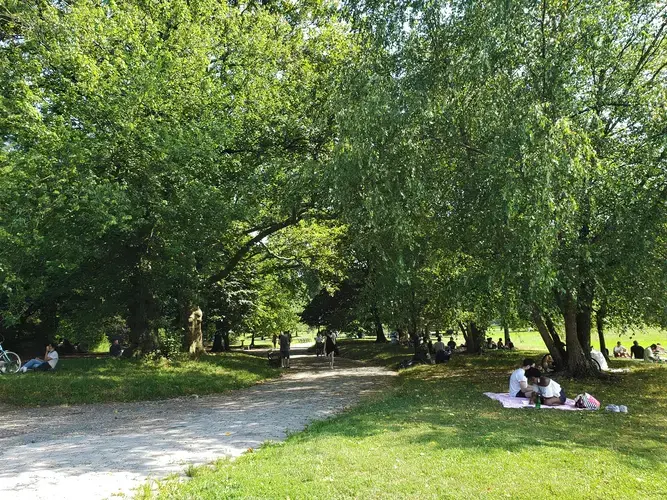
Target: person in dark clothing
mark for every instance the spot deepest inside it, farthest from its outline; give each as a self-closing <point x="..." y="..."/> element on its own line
<point x="637" y="351"/>
<point x="330" y="349"/>
<point x="284" y="349"/>
<point x="116" y="349"/>
<point x="451" y="343"/>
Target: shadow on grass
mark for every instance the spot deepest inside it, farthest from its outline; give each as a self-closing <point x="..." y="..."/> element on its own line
<point x="444" y="406"/>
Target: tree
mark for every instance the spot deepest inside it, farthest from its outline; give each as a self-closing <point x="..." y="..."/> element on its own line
<point x="150" y="147"/>
<point x="530" y="133"/>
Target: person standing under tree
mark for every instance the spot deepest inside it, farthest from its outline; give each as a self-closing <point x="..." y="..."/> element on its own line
<point x="284" y="349"/>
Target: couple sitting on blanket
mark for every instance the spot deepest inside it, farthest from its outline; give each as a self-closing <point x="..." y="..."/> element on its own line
<point x="528" y="382"/>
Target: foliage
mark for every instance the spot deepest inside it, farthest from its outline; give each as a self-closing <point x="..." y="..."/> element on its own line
<point x="145" y="146"/>
<point x="514" y="155"/>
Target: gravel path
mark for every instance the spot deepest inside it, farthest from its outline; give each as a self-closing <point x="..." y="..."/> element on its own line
<point x="100" y="451"/>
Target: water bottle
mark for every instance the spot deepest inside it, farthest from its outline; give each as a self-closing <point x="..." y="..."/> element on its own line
<point x="538" y="401"/>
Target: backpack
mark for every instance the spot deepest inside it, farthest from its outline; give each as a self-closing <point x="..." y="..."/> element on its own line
<point x="587" y="402"/>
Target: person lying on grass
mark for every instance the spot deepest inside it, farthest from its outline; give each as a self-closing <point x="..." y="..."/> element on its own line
<point x="549" y="391"/>
<point x="519" y="387"/>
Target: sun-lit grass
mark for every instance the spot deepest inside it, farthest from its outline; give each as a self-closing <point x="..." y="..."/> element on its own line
<point x="435" y="435"/>
<point x="96" y="380"/>
<point x="531" y="340"/>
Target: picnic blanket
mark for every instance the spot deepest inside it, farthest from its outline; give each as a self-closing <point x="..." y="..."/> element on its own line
<point x="511" y="402"/>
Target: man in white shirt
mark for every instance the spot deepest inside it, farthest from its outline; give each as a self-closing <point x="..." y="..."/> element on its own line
<point x="620" y="351"/>
<point x="48" y="363"/>
<point x="519" y="387"/>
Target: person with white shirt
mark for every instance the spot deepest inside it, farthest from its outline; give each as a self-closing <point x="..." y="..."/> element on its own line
<point x="620" y="351"/>
<point x="550" y="391"/>
<point x="48" y="363"/>
<point x="519" y="387"/>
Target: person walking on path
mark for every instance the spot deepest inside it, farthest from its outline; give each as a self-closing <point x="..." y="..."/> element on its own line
<point x="284" y="349"/>
<point x="330" y="349"/>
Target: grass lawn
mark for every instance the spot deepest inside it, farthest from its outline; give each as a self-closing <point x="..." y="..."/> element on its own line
<point x="298" y="338"/>
<point x="531" y="340"/>
<point x="96" y="380"/>
<point x="435" y="435"/>
<point x="367" y="350"/>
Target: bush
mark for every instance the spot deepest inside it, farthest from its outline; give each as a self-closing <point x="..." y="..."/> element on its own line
<point x="170" y="342"/>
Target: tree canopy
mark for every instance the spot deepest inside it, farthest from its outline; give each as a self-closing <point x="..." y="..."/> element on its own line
<point x="450" y="163"/>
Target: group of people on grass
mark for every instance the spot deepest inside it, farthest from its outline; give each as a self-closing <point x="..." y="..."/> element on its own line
<point x="490" y="344"/>
<point x="655" y="353"/>
<point x="527" y="382"/>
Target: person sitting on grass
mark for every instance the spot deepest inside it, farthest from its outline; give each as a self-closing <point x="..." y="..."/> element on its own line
<point x="116" y="349"/>
<point x="451" y="343"/>
<point x="637" y="351"/>
<point x="620" y="351"/>
<point x="519" y="387"/>
<point x="48" y="363"/>
<point x="500" y="344"/>
<point x="509" y="345"/>
<point x="549" y="391"/>
<point x="650" y="354"/>
<point x="490" y="344"/>
<point x="442" y="352"/>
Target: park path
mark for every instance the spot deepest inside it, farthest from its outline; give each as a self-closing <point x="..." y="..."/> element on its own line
<point x="101" y="451"/>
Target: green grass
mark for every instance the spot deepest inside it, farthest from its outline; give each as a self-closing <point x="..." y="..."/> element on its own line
<point x="531" y="340"/>
<point x="97" y="380"/>
<point x="300" y="338"/>
<point x="375" y="354"/>
<point x="435" y="435"/>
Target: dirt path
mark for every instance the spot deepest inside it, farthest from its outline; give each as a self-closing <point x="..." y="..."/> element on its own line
<point x="96" y="451"/>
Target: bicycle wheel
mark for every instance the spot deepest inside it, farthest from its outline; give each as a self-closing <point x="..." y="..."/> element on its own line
<point x="12" y="362"/>
<point x="595" y="365"/>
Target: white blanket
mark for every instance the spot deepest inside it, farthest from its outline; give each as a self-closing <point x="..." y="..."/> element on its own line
<point x="511" y="402"/>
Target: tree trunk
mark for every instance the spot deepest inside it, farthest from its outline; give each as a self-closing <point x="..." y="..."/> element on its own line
<point x="464" y="331"/>
<point x="221" y="339"/>
<point x="218" y="345"/>
<point x="475" y="338"/>
<point x="584" y="321"/>
<point x="252" y="340"/>
<point x="506" y="330"/>
<point x="401" y="334"/>
<point x="48" y="325"/>
<point x="577" y="362"/>
<point x="599" y="322"/>
<point x="141" y="310"/>
<point x="195" y="336"/>
<point x="560" y="345"/>
<point x="379" y="329"/>
<point x="547" y="338"/>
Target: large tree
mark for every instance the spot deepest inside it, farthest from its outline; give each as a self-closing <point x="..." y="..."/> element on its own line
<point x="149" y="148"/>
<point x="530" y="137"/>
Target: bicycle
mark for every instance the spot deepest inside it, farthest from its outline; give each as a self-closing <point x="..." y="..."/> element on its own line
<point x="9" y="361"/>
